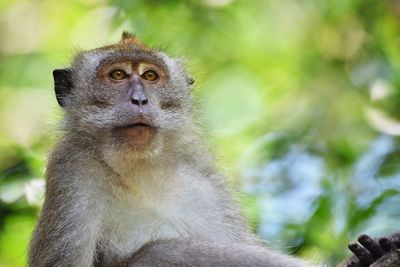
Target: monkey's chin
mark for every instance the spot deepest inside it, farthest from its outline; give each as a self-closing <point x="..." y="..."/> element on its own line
<point x="137" y="137"/>
<point x="129" y="149"/>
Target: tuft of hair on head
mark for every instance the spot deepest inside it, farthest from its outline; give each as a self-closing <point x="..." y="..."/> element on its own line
<point x="128" y="38"/>
<point x="127" y="35"/>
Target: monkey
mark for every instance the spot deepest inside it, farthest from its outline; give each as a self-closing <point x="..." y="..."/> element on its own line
<point x="130" y="182"/>
<point x="372" y="249"/>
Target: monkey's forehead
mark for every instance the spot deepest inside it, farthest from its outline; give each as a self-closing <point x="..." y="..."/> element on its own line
<point x="129" y="40"/>
<point x="121" y="52"/>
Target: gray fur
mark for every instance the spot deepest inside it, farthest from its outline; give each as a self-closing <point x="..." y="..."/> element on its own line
<point x="203" y="253"/>
<point x="105" y="200"/>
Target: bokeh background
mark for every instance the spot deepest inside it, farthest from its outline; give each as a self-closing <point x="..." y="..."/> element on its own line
<point x="300" y="100"/>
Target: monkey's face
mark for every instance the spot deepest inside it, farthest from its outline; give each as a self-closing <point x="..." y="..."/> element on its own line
<point x="132" y="88"/>
<point x="126" y="98"/>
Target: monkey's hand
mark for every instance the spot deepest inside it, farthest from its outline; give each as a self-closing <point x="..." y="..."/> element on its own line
<point x="371" y="250"/>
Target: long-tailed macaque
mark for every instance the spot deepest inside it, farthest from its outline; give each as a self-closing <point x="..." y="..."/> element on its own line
<point x="130" y="183"/>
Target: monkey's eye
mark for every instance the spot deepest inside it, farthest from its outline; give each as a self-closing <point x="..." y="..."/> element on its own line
<point x="118" y="75"/>
<point x="150" y="75"/>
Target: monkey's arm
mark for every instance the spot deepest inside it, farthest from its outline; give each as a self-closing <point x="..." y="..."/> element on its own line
<point x="204" y="253"/>
<point x="371" y="250"/>
<point x="61" y="240"/>
<point x="65" y="235"/>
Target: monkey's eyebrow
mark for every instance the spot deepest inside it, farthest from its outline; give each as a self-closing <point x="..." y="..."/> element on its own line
<point x="137" y="58"/>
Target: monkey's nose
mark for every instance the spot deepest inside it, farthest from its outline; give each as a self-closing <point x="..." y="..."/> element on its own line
<point x="139" y="98"/>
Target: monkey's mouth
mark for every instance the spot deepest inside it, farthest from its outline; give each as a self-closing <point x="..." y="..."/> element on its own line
<point x="139" y="125"/>
<point x="137" y="122"/>
<point x="137" y="129"/>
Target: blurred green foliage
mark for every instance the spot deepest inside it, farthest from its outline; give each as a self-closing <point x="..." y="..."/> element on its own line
<point x="300" y="99"/>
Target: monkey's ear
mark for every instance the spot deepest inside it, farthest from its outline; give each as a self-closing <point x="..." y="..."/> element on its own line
<point x="189" y="80"/>
<point x="62" y="84"/>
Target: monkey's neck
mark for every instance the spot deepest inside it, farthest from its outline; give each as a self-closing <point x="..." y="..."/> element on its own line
<point x="130" y="166"/>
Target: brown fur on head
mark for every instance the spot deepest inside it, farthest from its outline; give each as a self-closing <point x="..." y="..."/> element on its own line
<point x="136" y="114"/>
<point x="128" y="39"/>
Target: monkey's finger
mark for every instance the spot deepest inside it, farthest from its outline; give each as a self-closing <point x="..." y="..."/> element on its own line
<point x="362" y="254"/>
<point x="354" y="263"/>
<point x="396" y="240"/>
<point x="371" y="245"/>
<point x="386" y="244"/>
